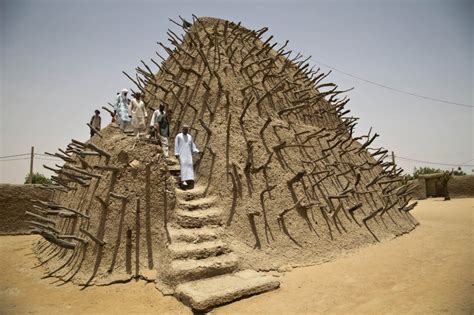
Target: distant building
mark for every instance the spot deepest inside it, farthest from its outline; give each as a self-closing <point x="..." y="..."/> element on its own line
<point x="430" y="185"/>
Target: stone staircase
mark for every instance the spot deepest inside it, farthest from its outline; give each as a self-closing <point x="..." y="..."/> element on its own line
<point x="203" y="266"/>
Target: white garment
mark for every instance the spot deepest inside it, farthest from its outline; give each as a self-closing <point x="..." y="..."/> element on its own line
<point x="165" y="146"/>
<point x="161" y="124"/>
<point x="139" y="114"/>
<point x="153" y="117"/>
<point x="184" y="149"/>
<point x="121" y="109"/>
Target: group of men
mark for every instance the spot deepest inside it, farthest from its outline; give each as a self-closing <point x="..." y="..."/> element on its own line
<point x="184" y="146"/>
<point x="131" y="111"/>
<point x="134" y="111"/>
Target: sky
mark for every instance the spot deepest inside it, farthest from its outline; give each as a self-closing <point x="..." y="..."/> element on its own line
<point x="61" y="60"/>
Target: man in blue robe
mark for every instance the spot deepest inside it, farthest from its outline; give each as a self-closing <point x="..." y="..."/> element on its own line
<point x="122" y="110"/>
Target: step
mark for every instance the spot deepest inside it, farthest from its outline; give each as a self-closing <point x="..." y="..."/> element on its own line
<point x="174" y="167"/>
<point x="182" y="250"/>
<point x="193" y="269"/>
<point x="194" y="193"/>
<point x="196" y="235"/>
<point x="196" y="204"/>
<point x="204" y="294"/>
<point x="175" y="172"/>
<point x="171" y="161"/>
<point x="198" y="218"/>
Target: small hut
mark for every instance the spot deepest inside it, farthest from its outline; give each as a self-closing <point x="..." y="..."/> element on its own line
<point x="431" y="185"/>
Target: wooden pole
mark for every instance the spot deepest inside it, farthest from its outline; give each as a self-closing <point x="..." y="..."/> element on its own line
<point x="30" y="180"/>
<point x="393" y="161"/>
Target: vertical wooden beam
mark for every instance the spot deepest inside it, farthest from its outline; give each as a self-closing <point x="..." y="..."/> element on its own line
<point x="137" y="240"/>
<point x="30" y="180"/>
<point x="393" y="162"/>
<point x="148" y="216"/>
<point x="128" y="252"/>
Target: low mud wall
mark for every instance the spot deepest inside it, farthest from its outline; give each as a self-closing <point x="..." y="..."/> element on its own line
<point x="461" y="186"/>
<point x="14" y="201"/>
<point x="458" y="186"/>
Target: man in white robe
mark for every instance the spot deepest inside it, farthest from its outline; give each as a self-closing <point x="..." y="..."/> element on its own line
<point x="139" y="114"/>
<point x="184" y="149"/>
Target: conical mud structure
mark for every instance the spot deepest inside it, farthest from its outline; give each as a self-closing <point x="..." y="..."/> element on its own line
<point x="282" y="181"/>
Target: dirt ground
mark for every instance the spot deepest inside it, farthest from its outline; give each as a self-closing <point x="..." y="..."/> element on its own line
<point x="429" y="271"/>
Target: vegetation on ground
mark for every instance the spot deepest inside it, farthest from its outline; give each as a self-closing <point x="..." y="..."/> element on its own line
<point x="425" y="170"/>
<point x="38" y="179"/>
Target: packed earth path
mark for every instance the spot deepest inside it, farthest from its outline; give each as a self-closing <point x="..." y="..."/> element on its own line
<point x="428" y="271"/>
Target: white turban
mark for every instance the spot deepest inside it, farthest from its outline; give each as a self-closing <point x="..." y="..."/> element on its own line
<point x="124" y="91"/>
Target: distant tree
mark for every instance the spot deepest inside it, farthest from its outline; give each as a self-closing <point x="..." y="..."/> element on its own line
<point x="424" y="170"/>
<point x="459" y="172"/>
<point x="38" y="179"/>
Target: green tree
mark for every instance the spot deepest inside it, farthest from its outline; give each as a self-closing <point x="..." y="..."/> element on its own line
<point x="459" y="172"/>
<point x="424" y="170"/>
<point x="38" y="179"/>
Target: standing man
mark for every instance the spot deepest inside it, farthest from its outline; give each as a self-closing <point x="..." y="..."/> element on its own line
<point x="184" y="148"/>
<point x="139" y="114"/>
<point x="122" y="110"/>
<point x="444" y="182"/>
<point x="161" y="127"/>
<point x="95" y="122"/>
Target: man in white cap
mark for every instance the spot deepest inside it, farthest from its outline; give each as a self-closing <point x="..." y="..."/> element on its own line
<point x="184" y="149"/>
<point x="122" y="110"/>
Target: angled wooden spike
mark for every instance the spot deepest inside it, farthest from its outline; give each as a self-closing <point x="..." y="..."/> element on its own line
<point x="92" y="237"/>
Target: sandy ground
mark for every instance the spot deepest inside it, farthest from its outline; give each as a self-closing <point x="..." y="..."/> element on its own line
<point x="427" y="271"/>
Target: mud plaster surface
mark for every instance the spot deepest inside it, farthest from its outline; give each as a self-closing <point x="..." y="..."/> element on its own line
<point x="255" y="228"/>
<point x="145" y="222"/>
<point x="428" y="271"/>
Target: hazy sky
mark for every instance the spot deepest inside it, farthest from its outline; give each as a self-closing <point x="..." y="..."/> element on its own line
<point x="60" y="60"/>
